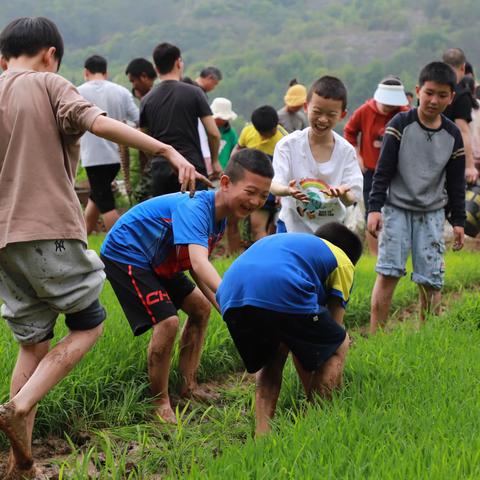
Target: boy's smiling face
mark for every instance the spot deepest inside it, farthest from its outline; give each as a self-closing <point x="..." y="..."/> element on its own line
<point x="247" y="194"/>
<point x="434" y="98"/>
<point x="324" y="114"/>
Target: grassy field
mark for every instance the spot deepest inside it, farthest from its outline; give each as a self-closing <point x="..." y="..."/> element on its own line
<point x="408" y="409"/>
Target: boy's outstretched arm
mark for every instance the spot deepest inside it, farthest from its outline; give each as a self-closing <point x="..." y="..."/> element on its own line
<point x="121" y="133"/>
<point x="203" y="270"/>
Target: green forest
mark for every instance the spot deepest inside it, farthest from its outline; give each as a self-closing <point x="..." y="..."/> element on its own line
<point x="261" y="45"/>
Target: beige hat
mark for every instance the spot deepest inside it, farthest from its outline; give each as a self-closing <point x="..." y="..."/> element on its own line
<point x="222" y="108"/>
<point x="296" y="96"/>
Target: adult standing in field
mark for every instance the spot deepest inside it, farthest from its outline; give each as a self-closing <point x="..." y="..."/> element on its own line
<point x="292" y="116"/>
<point x="45" y="267"/>
<point x="101" y="157"/>
<point x="460" y="110"/>
<point x="365" y="130"/>
<point x="142" y="75"/>
<point x="208" y="80"/>
<point x="170" y="113"/>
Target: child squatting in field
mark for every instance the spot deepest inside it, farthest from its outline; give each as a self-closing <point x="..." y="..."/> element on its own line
<point x="421" y="169"/>
<point x="150" y="247"/>
<point x="45" y="267"/>
<point x="288" y="292"/>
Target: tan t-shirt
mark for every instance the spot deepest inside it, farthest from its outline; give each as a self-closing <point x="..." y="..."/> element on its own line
<point x="42" y="117"/>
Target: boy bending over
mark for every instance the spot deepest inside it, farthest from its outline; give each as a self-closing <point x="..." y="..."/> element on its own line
<point x="45" y="267"/>
<point x="149" y="248"/>
<point x="312" y="277"/>
<point x="421" y="169"/>
<point x="316" y="170"/>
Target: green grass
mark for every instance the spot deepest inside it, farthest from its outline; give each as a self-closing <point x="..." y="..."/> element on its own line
<point x="408" y="410"/>
<point x="408" y="405"/>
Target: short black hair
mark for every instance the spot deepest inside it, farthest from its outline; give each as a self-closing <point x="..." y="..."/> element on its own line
<point x="409" y="94"/>
<point x="139" y="66"/>
<point x="329" y="87"/>
<point x="28" y="35"/>
<point x="96" y="64"/>
<point x="455" y="57"/>
<point x="343" y="238"/>
<point x="211" y="72"/>
<point x="438" y="72"/>
<point x="165" y="55"/>
<point x="251" y="160"/>
<point x="264" y="119"/>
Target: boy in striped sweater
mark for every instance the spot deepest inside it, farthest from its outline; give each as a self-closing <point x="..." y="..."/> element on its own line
<point x="420" y="171"/>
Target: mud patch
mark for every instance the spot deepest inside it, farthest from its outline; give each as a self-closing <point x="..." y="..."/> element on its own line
<point x="48" y="454"/>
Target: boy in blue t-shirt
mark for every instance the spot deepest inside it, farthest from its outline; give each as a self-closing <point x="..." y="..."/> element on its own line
<point x="149" y="248"/>
<point x="288" y="292"/>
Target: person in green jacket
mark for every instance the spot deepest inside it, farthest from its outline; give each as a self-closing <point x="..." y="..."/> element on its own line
<point x="223" y="115"/>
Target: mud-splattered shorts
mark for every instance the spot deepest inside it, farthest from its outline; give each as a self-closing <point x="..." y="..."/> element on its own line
<point x="40" y="279"/>
<point x="419" y="232"/>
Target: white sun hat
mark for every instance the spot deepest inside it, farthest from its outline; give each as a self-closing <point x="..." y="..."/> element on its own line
<point x="222" y="108"/>
<point x="393" y="95"/>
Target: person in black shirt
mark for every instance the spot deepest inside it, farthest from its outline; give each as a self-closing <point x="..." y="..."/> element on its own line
<point x="171" y="111"/>
<point x="460" y="110"/>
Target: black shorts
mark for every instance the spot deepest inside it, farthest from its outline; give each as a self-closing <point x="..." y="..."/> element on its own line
<point x="258" y="332"/>
<point x="100" y="178"/>
<point x="146" y="298"/>
<point x="165" y="179"/>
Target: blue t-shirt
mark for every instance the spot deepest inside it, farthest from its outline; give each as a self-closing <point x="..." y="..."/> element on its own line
<point x="156" y="233"/>
<point x="289" y="273"/>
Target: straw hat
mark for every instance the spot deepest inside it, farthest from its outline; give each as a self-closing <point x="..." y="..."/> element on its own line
<point x="296" y="96"/>
<point x="393" y="95"/>
<point x="222" y="108"/>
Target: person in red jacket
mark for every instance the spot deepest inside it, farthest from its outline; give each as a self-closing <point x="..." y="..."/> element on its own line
<point x="370" y="121"/>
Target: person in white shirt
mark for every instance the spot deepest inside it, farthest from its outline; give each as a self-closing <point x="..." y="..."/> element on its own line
<point x="100" y="157"/>
<point x="316" y="170"/>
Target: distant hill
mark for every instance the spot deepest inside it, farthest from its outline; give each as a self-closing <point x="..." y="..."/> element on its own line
<point x="260" y="45"/>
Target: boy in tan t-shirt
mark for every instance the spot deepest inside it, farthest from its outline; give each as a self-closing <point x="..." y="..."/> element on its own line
<point x="45" y="267"/>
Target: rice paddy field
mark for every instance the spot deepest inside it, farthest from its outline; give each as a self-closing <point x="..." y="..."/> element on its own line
<point x="409" y="408"/>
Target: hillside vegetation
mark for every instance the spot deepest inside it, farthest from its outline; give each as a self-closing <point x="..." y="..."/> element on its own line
<point x="260" y="45"/>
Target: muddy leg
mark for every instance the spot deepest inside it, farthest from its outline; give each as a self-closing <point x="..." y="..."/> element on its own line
<point x="198" y="308"/>
<point x="159" y="357"/>
<point x="430" y="299"/>
<point x="53" y="367"/>
<point x="381" y="300"/>
<point x="268" y="384"/>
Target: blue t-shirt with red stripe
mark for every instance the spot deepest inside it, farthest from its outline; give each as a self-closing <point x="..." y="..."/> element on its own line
<point x="155" y="234"/>
<point x="289" y="273"/>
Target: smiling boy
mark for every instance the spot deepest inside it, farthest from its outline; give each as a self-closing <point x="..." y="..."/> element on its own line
<point x="149" y="248"/>
<point x="316" y="170"/>
<point x="421" y="169"/>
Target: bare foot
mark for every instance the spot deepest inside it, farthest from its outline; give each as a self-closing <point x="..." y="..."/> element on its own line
<point x="15" y="473"/>
<point x="166" y="414"/>
<point x="15" y="428"/>
<point x="201" y="394"/>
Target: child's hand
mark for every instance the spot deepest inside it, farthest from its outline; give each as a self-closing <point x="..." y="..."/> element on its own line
<point x="459" y="238"/>
<point x="374" y="223"/>
<point x="294" y="192"/>
<point x="340" y="191"/>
